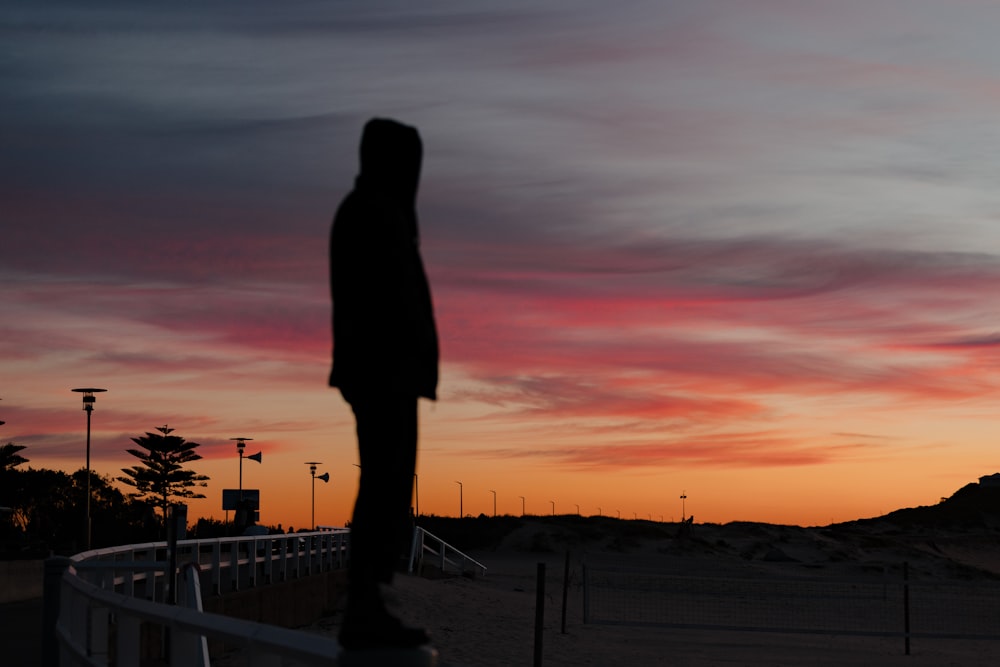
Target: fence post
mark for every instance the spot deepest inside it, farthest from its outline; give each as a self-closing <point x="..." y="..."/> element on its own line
<point x="539" y="614"/>
<point x="565" y="591"/>
<point x="906" y="605"/>
<point x="51" y="592"/>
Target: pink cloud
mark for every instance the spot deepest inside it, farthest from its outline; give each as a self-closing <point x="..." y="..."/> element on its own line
<point x="746" y="449"/>
<point x="710" y="330"/>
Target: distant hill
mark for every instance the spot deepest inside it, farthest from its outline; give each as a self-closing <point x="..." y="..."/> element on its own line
<point x="973" y="506"/>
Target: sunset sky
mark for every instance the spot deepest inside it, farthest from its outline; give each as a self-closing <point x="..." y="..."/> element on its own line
<point x="748" y="250"/>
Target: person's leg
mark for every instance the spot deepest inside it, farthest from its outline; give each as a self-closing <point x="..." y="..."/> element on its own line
<point x="387" y="441"/>
<point x="399" y="461"/>
<point x="387" y="433"/>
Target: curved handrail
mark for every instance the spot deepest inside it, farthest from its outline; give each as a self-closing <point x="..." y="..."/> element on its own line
<point x="102" y="596"/>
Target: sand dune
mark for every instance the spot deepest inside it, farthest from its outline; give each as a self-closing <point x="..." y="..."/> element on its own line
<point x="489" y="620"/>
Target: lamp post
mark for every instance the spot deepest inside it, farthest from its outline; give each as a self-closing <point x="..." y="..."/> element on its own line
<point x="598" y="510"/>
<point x="241" y="444"/>
<point x="88" y="405"/>
<point x="577" y="509"/>
<point x="460" y="509"/>
<point x="494" y="503"/>
<point x="325" y="477"/>
<point x="553" y="507"/>
<point x="683" y="498"/>
<point x="522" y="505"/>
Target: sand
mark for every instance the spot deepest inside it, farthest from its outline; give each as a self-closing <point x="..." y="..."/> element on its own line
<point x="489" y="620"/>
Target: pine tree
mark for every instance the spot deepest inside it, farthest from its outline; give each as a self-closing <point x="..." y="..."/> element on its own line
<point x="161" y="476"/>
<point x="9" y="457"/>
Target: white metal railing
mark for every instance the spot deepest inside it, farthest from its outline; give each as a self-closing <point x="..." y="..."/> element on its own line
<point x="437" y="551"/>
<point x="97" y="601"/>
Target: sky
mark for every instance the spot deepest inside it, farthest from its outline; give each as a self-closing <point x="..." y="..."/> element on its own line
<point x="744" y="251"/>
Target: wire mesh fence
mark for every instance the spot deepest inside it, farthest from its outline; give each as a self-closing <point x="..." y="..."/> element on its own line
<point x="890" y="606"/>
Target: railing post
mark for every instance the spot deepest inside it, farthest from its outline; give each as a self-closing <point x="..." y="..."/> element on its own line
<point x="234" y="566"/>
<point x="283" y="564"/>
<point x="51" y="592"/>
<point x="413" y="549"/>
<point x="99" y="633"/>
<point x="310" y="547"/>
<point x="128" y="643"/>
<point x="189" y="648"/>
<point x="252" y="562"/>
<point x="269" y="560"/>
<point x="217" y="567"/>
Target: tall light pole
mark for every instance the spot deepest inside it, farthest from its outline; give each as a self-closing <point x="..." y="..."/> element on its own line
<point x="553" y="507"/>
<point x="577" y="509"/>
<point x="460" y="508"/>
<point x="88" y="406"/>
<point x="598" y="510"/>
<point x="494" y="503"/>
<point x="522" y="505"/>
<point x="325" y="477"/>
<point x="683" y="498"/>
<point x="241" y="444"/>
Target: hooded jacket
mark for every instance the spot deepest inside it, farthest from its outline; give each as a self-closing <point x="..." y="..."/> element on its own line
<point x="384" y="337"/>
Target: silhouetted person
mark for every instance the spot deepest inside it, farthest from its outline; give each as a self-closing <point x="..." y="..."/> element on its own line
<point x="385" y="356"/>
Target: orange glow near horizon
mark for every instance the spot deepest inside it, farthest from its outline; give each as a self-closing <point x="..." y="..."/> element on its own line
<point x="544" y="465"/>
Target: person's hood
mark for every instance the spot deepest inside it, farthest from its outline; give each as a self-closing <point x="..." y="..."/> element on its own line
<point x="391" y="155"/>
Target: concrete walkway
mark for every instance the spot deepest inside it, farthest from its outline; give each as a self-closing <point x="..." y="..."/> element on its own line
<point x="21" y="633"/>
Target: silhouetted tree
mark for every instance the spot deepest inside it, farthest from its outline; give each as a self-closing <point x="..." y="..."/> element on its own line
<point x="9" y="457"/>
<point x="43" y="508"/>
<point x="161" y="477"/>
<point x="9" y="460"/>
<point x="46" y="513"/>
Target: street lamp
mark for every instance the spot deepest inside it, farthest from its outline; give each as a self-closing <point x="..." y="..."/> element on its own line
<point x="460" y="509"/>
<point x="683" y="498"/>
<point x="553" y="507"/>
<point x="577" y="509"/>
<point x="494" y="503"/>
<point x="522" y="505"/>
<point x="88" y="406"/>
<point x="241" y="444"/>
<point x="325" y="477"/>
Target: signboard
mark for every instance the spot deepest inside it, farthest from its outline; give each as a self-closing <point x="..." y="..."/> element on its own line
<point x="231" y="498"/>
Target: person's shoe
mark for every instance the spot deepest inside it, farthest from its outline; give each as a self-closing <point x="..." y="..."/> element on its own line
<point x="381" y="631"/>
